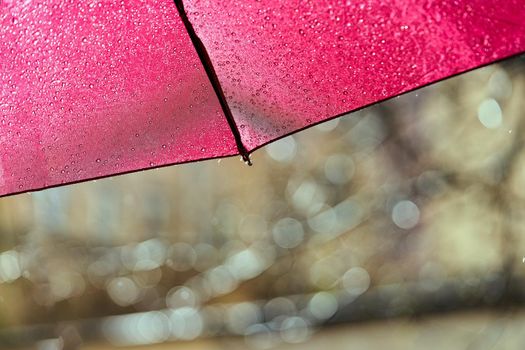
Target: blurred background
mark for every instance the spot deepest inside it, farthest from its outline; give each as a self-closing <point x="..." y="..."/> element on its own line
<point x="398" y="226"/>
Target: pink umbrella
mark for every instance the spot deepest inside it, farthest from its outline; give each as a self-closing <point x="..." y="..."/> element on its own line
<point x="94" y="88"/>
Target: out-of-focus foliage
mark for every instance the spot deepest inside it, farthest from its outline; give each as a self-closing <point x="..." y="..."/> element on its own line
<point x="419" y="195"/>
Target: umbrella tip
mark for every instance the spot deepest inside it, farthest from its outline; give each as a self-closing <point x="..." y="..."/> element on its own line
<point x="246" y="159"/>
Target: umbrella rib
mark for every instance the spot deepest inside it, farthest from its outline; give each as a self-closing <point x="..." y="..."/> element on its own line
<point x="214" y="79"/>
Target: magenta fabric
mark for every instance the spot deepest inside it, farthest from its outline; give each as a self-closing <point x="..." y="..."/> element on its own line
<point x="94" y="88"/>
<point x="287" y="64"/>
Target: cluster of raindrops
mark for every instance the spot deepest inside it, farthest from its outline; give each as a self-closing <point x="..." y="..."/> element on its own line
<point x="116" y="89"/>
<point x="284" y="66"/>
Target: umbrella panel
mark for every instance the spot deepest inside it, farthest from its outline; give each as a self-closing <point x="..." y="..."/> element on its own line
<point x="94" y="89"/>
<point x="285" y="65"/>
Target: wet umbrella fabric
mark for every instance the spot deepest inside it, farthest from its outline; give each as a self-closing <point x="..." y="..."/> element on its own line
<point x="92" y="89"/>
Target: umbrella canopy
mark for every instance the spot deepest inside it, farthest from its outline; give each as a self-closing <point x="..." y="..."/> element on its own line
<point x="95" y="88"/>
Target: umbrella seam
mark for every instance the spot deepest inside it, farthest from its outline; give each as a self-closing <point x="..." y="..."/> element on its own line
<point x="214" y="80"/>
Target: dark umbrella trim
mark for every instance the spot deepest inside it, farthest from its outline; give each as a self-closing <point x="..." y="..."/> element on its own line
<point x="29" y="190"/>
<point x="518" y="55"/>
